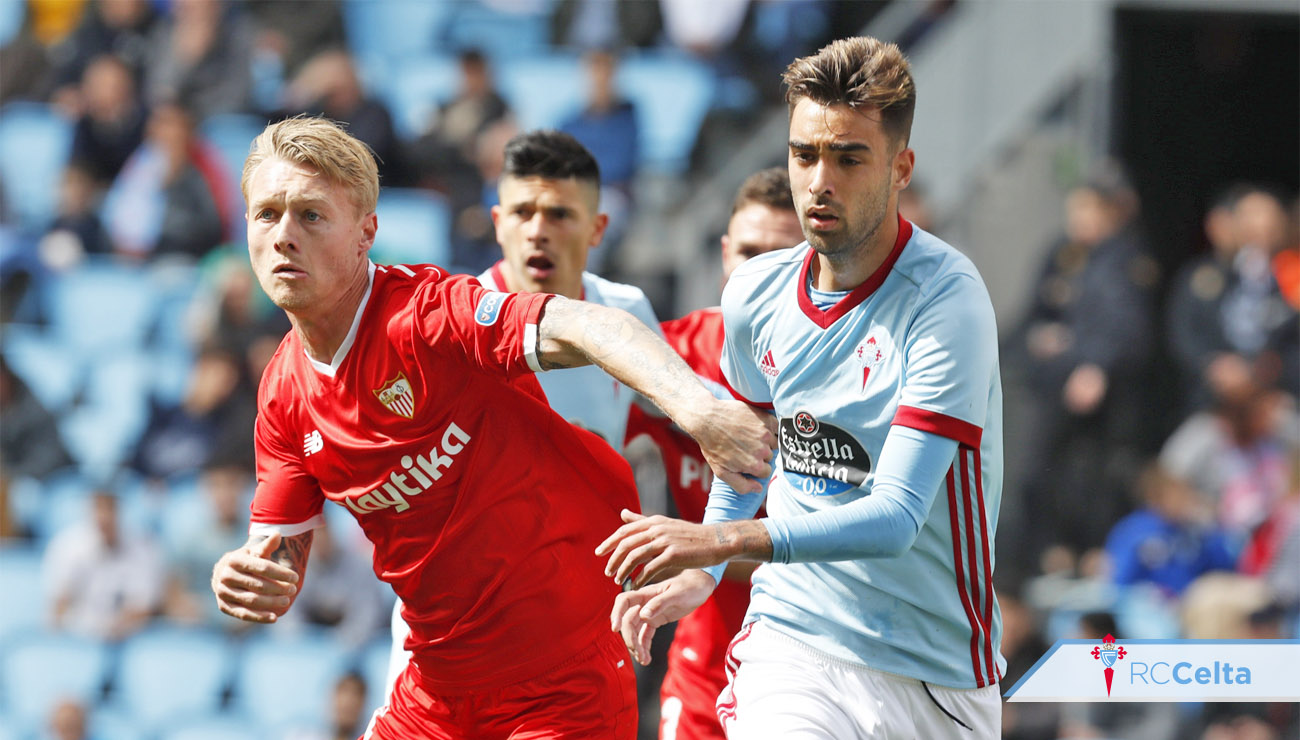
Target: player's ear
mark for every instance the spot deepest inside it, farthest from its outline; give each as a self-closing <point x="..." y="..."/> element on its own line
<point x="904" y="162"/>
<point x="369" y="227"/>
<point x="598" y="227"/>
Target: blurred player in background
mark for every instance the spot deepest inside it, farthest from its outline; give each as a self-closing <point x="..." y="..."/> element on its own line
<point x="548" y="221"/>
<point x="407" y="396"/>
<point x="875" y="344"/>
<point x="763" y="219"/>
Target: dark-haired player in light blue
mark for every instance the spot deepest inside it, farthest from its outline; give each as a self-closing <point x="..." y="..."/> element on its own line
<point x="873" y="614"/>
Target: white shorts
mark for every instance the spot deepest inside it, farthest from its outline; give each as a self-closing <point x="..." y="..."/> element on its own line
<point x="780" y="687"/>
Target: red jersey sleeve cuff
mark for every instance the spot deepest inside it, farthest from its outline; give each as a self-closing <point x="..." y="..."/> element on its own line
<point x="936" y="423"/>
<point x="736" y="395"/>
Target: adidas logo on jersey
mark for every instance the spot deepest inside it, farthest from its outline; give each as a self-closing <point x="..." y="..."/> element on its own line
<point x="768" y="364"/>
<point x="414" y="477"/>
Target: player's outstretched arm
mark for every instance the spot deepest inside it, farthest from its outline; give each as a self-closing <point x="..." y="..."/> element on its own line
<point x="659" y="546"/>
<point x="736" y="439"/>
<point x="259" y="581"/>
<point x="637" y="614"/>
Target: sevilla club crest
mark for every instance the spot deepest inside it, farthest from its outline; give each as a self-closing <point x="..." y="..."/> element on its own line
<point x="397" y="396"/>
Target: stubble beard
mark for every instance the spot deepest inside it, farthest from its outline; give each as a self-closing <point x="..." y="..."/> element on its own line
<point x="845" y="245"/>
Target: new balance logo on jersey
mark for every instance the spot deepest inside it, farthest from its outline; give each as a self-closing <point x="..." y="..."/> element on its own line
<point x="413" y="477"/>
<point x="768" y="364"/>
<point x="312" y="443"/>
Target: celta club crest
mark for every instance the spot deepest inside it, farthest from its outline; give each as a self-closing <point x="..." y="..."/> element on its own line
<point x="397" y="396"/>
<point x="1108" y="653"/>
<point x="869" y="356"/>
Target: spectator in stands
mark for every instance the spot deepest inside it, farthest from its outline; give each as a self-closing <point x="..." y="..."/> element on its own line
<point x="1170" y="541"/>
<point x="30" y="445"/>
<point x="68" y="721"/>
<point x="118" y="27"/>
<point x="1227" y="313"/>
<point x="590" y="24"/>
<point x="1084" y="347"/>
<point x="607" y="126"/>
<point x="1237" y="455"/>
<point x="77" y="229"/>
<point x="291" y="35"/>
<point x="170" y="198"/>
<point x="105" y="582"/>
<point x="1023" y="645"/>
<point x="348" y="711"/>
<point x="111" y="125"/>
<point x="227" y="487"/>
<point x="341" y="594"/>
<point x="199" y="55"/>
<point x="328" y="85"/>
<point x="210" y="423"/>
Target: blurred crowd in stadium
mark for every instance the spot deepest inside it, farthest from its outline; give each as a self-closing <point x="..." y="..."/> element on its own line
<point x="1158" y="488"/>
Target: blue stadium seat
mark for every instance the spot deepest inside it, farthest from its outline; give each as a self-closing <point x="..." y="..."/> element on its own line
<point x="395" y="29"/>
<point x="543" y="90"/>
<point x="12" y="15"/>
<point x="49" y="367"/>
<point x="314" y="660"/>
<point x="102" y="307"/>
<point x="99" y="439"/>
<point x="414" y="227"/>
<point x="415" y="88"/>
<point x="214" y="727"/>
<point x="672" y="93"/>
<point x="40" y="668"/>
<point x="35" y="143"/>
<point x="24" y="590"/>
<point x="231" y="135"/>
<point x="168" y="674"/>
<point x="500" y="34"/>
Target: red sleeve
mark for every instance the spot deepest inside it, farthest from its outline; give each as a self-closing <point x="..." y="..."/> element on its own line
<point x="287" y="499"/>
<point x="496" y="331"/>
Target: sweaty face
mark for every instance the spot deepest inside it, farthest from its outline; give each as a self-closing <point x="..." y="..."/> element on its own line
<point x="306" y="240"/>
<point x="843" y="171"/>
<point x="757" y="229"/>
<point x="545" y="228"/>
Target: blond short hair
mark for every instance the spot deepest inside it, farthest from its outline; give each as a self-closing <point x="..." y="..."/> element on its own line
<point x="860" y="72"/>
<point x="322" y="145"/>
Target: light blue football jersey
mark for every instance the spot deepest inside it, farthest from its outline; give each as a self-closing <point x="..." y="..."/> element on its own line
<point x="915" y="345"/>
<point x="587" y="396"/>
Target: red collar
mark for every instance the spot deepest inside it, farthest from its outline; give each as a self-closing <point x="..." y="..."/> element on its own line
<point x="824" y="318"/>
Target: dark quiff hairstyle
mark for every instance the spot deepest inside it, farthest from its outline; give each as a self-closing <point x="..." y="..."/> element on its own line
<point x="553" y="155"/>
<point x="860" y="72"/>
<point x="769" y="187"/>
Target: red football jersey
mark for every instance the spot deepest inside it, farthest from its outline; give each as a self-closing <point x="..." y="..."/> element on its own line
<point x="695" y="668"/>
<point x="483" y="505"/>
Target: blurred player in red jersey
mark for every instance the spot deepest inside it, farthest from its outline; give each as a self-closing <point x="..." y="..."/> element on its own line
<point x="763" y="219"/>
<point x="407" y="395"/>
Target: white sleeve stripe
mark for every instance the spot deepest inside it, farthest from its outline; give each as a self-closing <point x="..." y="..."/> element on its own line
<point x="286" y="530"/>
<point x="530" y="348"/>
<point x="405" y="269"/>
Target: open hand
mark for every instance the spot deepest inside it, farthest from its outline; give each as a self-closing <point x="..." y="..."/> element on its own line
<point x="637" y="614"/>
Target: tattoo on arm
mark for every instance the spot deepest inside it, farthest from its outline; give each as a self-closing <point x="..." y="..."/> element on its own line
<point x="292" y="552"/>
<point x="572" y="334"/>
